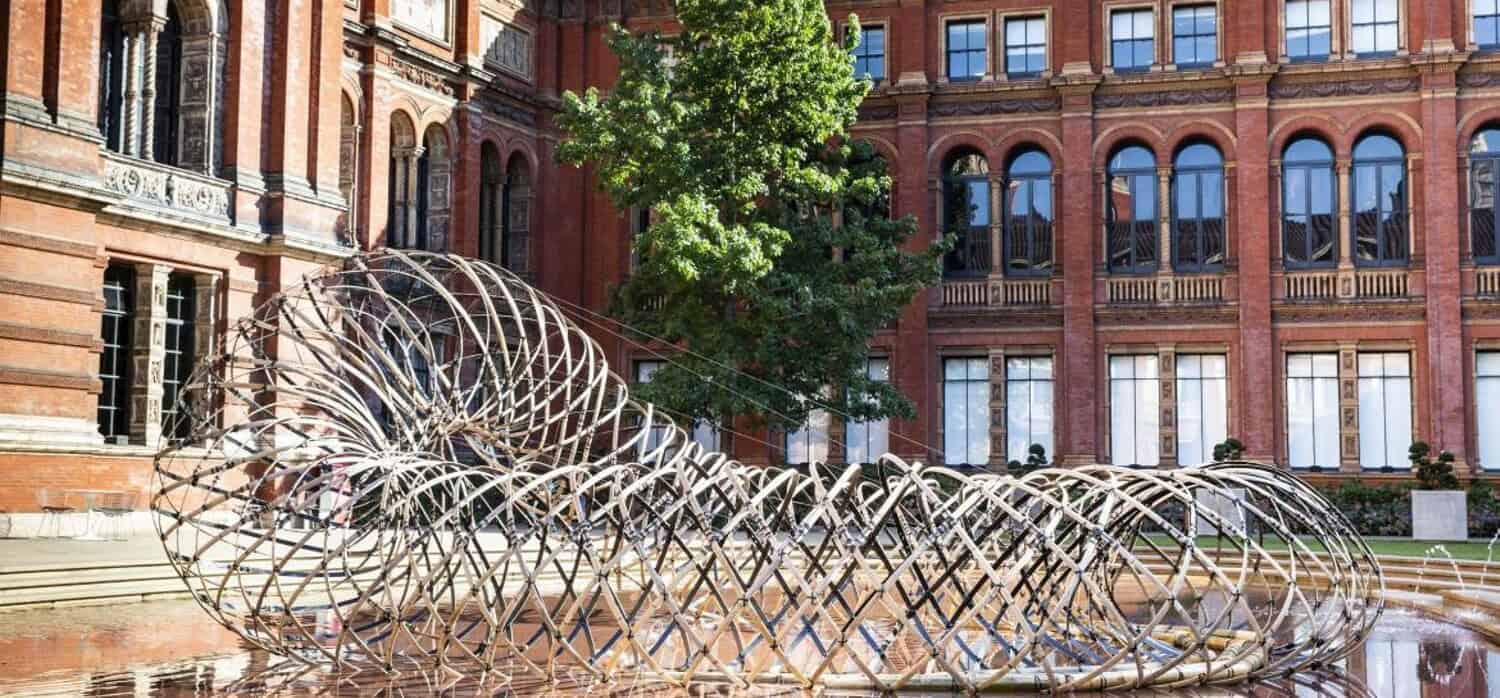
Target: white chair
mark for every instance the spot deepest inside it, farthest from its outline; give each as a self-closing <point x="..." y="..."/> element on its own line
<point x="113" y="508"/>
<point x="55" y="505"/>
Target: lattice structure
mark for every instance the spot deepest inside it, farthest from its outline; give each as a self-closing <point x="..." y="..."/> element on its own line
<point x="418" y="461"/>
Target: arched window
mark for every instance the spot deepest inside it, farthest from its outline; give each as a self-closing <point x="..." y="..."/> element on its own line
<point x="400" y="179"/>
<point x="1131" y="210"/>
<point x="516" y="249"/>
<point x="168" y="100"/>
<point x="348" y="167"/>
<point x="1378" y="198"/>
<point x="1308" y="205"/>
<point x="433" y="203"/>
<point x="1198" y="208"/>
<point x="491" y="180"/>
<point x="1484" y="165"/>
<point x="111" y="76"/>
<point x="1028" y="214"/>
<point x="966" y="204"/>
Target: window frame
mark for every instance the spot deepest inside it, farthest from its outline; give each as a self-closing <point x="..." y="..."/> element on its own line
<point x="1286" y="29"/>
<point x="1374" y="24"/>
<point x="1473" y="26"/>
<point x="1380" y="164"/>
<point x="947" y="21"/>
<point x="1032" y="383"/>
<point x="809" y="430"/>
<point x="1034" y="235"/>
<point x="1483" y="436"/>
<point x="1315" y="381"/>
<point x="1204" y="435"/>
<point x="1196" y="172"/>
<point x="1153" y="416"/>
<point x="864" y="26"/>
<point x="976" y="237"/>
<point x="1333" y="208"/>
<point x="1218" y="33"/>
<point x="970" y="430"/>
<point x="177" y="362"/>
<point x="1384" y="430"/>
<point x="120" y="279"/>
<point x="1111" y="65"/>
<point x="1492" y="160"/>
<point x="885" y="423"/>
<point x="1111" y="220"/>
<point x="1003" y="37"/>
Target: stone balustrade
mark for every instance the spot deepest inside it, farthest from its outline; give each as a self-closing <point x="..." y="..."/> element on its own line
<point x="167" y="187"/>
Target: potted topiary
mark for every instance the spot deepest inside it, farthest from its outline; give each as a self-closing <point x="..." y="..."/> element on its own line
<point x="1439" y="508"/>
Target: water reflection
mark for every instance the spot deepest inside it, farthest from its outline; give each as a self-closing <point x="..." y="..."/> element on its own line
<point x="170" y="649"/>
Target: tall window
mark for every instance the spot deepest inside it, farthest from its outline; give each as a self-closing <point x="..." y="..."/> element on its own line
<point x="1378" y="193"/>
<point x="1308" y="28"/>
<point x="1131" y="210"/>
<point x="1195" y="39"/>
<point x="1487" y="407"/>
<point x="1198" y="208"/>
<point x="866" y="441"/>
<point x="1132" y="40"/>
<point x="168" y="78"/>
<point x="1028" y="214"/>
<point x="966" y="411"/>
<point x="1202" y="406"/>
<point x="1025" y="46"/>
<point x="1308" y="204"/>
<point x="966" y="200"/>
<point x="1134" y="403"/>
<point x="809" y="442"/>
<point x="966" y="49"/>
<point x="516" y="250"/>
<point x="179" y="355"/>
<point x="1384" y="409"/>
<point x="1487" y="23"/>
<point x="1312" y="410"/>
<point x="703" y="432"/>
<point x="1484" y="166"/>
<point x="111" y="76"/>
<point x="869" y="55"/>
<point x="1373" y="27"/>
<point x="114" y="361"/>
<point x="491" y="209"/>
<point x="1028" y="405"/>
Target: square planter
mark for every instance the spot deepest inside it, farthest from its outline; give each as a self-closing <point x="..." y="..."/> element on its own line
<point x="1439" y="515"/>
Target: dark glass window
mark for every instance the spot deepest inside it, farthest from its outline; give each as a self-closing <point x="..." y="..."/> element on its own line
<point x="1132" y="40"/>
<point x="114" y="361"/>
<point x="1378" y="201"/>
<point x="869" y="55"/>
<point x="424" y="169"/>
<point x="1308" y="208"/>
<point x="1025" y="46"/>
<point x="1308" y="28"/>
<point x="178" y="361"/>
<point x="1195" y="35"/>
<point x="966" y="199"/>
<point x="1373" y="27"/>
<point x="966" y="49"/>
<point x="1198" y="208"/>
<point x="490" y="208"/>
<point x="1487" y="23"/>
<point x="168" y="77"/>
<point x="111" y="75"/>
<point x="1484" y="165"/>
<point x="1131" y="210"/>
<point x="1028" y="214"/>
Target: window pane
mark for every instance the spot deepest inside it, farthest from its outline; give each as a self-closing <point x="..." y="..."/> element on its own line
<point x="1385" y="38"/>
<point x="1487" y="412"/>
<point x="1143" y="53"/>
<point x="1299" y="422"/>
<point x="1190" y="447"/>
<point x="1363" y="11"/>
<point x="978" y="422"/>
<point x="1119" y="25"/>
<point x="1142" y="21"/>
<point x="1385" y="10"/>
<point x="1015" y="32"/>
<point x="1363" y="39"/>
<point x="1317" y="13"/>
<point x="1122" y="421"/>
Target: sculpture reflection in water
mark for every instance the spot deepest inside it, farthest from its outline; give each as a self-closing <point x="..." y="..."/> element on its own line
<point x="417" y="460"/>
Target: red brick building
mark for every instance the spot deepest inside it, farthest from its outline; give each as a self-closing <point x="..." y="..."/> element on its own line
<point x="1186" y="220"/>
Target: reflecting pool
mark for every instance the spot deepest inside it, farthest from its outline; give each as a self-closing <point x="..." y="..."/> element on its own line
<point x="171" y="648"/>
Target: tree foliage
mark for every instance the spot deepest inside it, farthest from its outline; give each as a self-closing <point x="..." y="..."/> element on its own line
<point x="770" y="257"/>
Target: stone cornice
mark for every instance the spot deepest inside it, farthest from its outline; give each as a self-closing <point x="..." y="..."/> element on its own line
<point x="1165" y="315"/>
<point x="1349" y="312"/>
<point x="994" y="318"/>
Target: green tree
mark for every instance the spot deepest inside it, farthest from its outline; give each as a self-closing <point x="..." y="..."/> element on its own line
<point x="771" y="257"/>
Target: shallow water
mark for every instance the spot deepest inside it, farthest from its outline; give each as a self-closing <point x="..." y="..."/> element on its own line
<point x="172" y="649"/>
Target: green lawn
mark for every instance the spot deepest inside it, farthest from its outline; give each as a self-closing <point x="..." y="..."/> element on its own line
<point x="1382" y="546"/>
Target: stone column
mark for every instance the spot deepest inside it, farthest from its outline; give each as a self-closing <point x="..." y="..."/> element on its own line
<point x="349" y="179"/>
<point x="1167" y="426"/>
<point x="408" y="165"/>
<point x="1348" y="407"/>
<point x="1345" y="242"/>
<point x="1164" y="233"/>
<point x="205" y="316"/>
<point x="998" y="437"/>
<point x="149" y="329"/>
<point x="997" y="238"/>
<point x="131" y="107"/>
<point x="150" y="31"/>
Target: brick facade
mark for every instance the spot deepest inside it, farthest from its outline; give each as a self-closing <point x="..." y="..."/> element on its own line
<point x="288" y="119"/>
